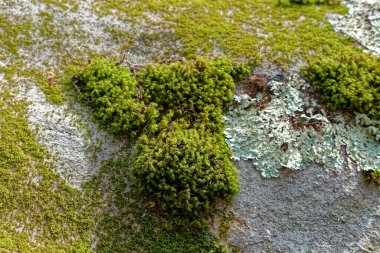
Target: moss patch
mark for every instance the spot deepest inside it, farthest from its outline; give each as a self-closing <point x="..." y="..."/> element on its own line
<point x="39" y="212"/>
<point x="244" y="29"/>
<point x="130" y="224"/>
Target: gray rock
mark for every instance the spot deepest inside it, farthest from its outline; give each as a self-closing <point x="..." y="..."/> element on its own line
<point x="305" y="211"/>
<point x="78" y="145"/>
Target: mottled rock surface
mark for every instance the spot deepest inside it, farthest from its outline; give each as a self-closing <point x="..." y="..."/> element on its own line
<point x="361" y="23"/>
<point x="78" y="145"/>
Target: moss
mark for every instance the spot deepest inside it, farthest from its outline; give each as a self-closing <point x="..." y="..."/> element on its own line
<point x="38" y="210"/>
<point x="347" y="81"/>
<point x="372" y="176"/>
<point x="288" y="2"/>
<point x="191" y="94"/>
<point x="242" y="28"/>
<point x="129" y="223"/>
<point x="185" y="171"/>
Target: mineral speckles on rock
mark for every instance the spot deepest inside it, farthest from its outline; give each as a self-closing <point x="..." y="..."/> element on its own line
<point x="80" y="150"/>
<point x="361" y="23"/>
<point x="293" y="131"/>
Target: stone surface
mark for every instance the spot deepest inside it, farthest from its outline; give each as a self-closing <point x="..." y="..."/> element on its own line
<point x="362" y="23"/>
<point x="308" y="208"/>
<point x="78" y="145"/>
<point x="305" y="211"/>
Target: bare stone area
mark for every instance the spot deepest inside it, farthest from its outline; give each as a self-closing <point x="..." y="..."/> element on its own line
<point x="314" y="210"/>
<point x="79" y="145"/>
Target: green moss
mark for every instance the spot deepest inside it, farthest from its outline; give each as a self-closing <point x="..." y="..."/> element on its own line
<point x="114" y="95"/>
<point x="242" y="28"/>
<point x="186" y="172"/>
<point x="288" y="2"/>
<point x="196" y="92"/>
<point x="189" y="94"/>
<point x="62" y="4"/>
<point x="38" y="210"/>
<point x="129" y="223"/>
<point x="347" y="81"/>
<point x="372" y="176"/>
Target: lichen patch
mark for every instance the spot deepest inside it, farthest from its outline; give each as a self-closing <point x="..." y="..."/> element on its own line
<point x="294" y="131"/>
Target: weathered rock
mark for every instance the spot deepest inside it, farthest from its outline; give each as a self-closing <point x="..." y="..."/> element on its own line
<point x="361" y="23"/>
<point x="78" y="144"/>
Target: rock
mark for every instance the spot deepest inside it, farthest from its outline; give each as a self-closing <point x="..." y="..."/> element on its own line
<point x="305" y="211"/>
<point x="361" y="23"/>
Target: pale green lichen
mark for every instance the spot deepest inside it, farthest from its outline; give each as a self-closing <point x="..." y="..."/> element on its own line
<point x="373" y="125"/>
<point x="268" y="138"/>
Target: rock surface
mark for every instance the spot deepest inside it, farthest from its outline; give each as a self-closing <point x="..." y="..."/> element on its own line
<point x="78" y="144"/>
<point x="288" y="128"/>
<point x="315" y="210"/>
<point x="361" y="23"/>
<point x="308" y="211"/>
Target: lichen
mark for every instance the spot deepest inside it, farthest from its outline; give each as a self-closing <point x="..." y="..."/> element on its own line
<point x="268" y="138"/>
<point x="373" y="126"/>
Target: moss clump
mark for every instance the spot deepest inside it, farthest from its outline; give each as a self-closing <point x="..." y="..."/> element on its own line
<point x="196" y="92"/>
<point x="186" y="171"/>
<point x="113" y="93"/>
<point x="372" y="176"/>
<point x="179" y="109"/>
<point x="189" y="87"/>
<point x="133" y="224"/>
<point x="348" y="81"/>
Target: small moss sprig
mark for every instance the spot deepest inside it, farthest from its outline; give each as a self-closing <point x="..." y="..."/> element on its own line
<point x="372" y="176"/>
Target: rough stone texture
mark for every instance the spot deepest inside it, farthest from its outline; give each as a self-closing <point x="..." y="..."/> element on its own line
<point x="77" y="143"/>
<point x="361" y="23"/>
<point x="306" y="211"/>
